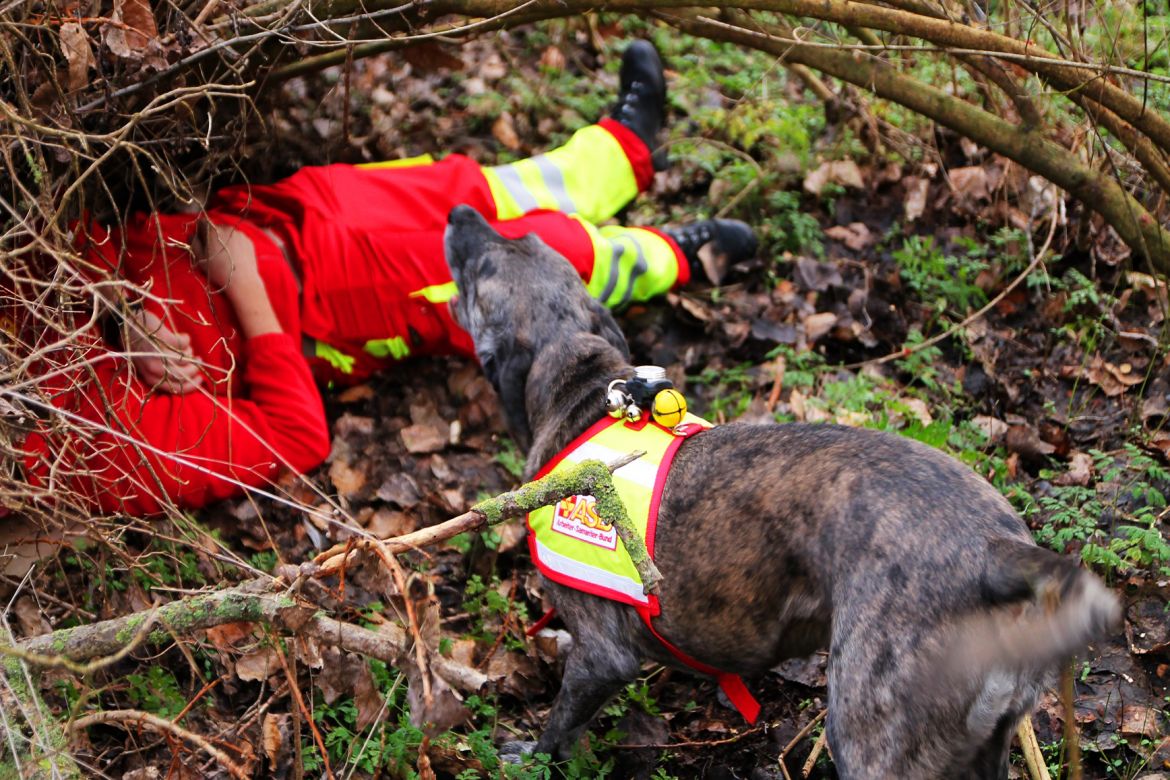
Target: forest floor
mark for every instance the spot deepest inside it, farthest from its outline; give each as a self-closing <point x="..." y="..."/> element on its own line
<point x="879" y="232"/>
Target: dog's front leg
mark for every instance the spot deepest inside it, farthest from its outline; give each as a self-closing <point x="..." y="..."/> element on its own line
<point x="595" y="670"/>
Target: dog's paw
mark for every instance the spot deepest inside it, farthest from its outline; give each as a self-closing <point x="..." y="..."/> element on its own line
<point x="515" y="751"/>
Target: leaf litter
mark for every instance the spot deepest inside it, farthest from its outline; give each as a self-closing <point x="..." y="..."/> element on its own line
<point x="415" y="447"/>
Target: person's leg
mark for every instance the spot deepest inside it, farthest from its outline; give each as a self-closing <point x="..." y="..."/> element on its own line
<point x="618" y="264"/>
<point x="603" y="166"/>
<point x="599" y="170"/>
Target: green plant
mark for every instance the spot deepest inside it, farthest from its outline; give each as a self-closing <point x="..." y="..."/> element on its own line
<point x="1120" y="522"/>
<point x="944" y="282"/>
<point x="795" y="230"/>
<point x="488" y="608"/>
<point x="265" y="560"/>
<point x="156" y="691"/>
<point x="731" y="389"/>
<point x="510" y="457"/>
<point x="921" y="363"/>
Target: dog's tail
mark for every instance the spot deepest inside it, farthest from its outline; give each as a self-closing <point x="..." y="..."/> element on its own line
<point x="1044" y="610"/>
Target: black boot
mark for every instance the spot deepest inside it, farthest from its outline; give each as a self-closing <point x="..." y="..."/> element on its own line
<point x="711" y="246"/>
<point x="641" y="102"/>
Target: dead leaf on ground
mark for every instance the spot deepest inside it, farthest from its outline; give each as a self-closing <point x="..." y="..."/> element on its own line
<point x="994" y="429"/>
<point x="842" y="172"/>
<point x="796" y="404"/>
<point x="697" y="309"/>
<point x="1112" y="379"/>
<point x="1138" y="720"/>
<point x="1024" y="441"/>
<point x="504" y="131"/>
<point x="552" y="644"/>
<point x="515" y="673"/>
<point x="511" y="534"/>
<point x="258" y="665"/>
<point x="429" y="57"/>
<point x="421" y="439"/>
<point x="855" y="235"/>
<point x="970" y="184"/>
<point x="915" y="203"/>
<point x="810" y="671"/>
<point x="816" y="275"/>
<point x="131" y="29"/>
<point x="387" y="523"/>
<point x="552" y="58"/>
<point x="1161" y="442"/>
<point x="462" y="651"/>
<point x="400" y="489"/>
<point x="1147" y="629"/>
<point x="348" y="674"/>
<point x="274" y="736"/>
<point x="817" y="325"/>
<point x="227" y="636"/>
<point x="31" y="620"/>
<point x="1080" y="470"/>
<point x="346" y="478"/>
<point x="919" y="409"/>
<point x="353" y="425"/>
<point x="445" y="711"/>
<point x="356" y="393"/>
<point x="75" y="45"/>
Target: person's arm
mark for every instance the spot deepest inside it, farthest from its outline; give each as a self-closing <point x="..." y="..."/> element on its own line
<point x="200" y="448"/>
<point x="194" y="438"/>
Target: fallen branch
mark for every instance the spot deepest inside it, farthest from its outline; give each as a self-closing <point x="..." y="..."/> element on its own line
<point x="266" y="600"/>
<point x="589" y="478"/>
<point x="804" y="732"/>
<point x="273" y="602"/>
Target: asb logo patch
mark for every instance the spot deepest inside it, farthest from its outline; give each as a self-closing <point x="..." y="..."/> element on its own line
<point x="576" y="516"/>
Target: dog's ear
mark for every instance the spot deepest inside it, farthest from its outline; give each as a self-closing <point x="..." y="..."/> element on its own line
<point x="508" y="373"/>
<point x="603" y="324"/>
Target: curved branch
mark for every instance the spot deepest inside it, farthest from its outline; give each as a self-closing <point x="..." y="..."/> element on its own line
<point x="1028" y="147"/>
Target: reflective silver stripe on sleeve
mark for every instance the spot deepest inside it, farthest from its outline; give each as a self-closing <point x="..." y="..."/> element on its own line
<point x="640" y="267"/>
<point x="555" y="181"/>
<point x="516" y="188"/>
<point x="614" y="268"/>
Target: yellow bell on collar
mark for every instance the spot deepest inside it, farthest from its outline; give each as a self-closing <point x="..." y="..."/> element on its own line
<point x="669" y="408"/>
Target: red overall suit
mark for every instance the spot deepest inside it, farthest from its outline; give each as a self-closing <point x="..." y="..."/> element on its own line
<point x="352" y="259"/>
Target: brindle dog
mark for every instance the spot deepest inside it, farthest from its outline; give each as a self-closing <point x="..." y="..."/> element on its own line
<point x="942" y="617"/>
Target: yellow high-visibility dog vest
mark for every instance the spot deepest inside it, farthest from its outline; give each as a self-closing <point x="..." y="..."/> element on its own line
<point x="573" y="546"/>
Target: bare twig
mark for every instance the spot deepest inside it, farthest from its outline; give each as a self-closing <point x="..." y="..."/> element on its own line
<point x="127" y="718"/>
<point x="1030" y="747"/>
<point x="817" y="748"/>
<point x="792" y="743"/>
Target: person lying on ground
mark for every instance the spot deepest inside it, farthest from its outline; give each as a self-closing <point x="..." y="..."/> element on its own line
<point x="350" y="258"/>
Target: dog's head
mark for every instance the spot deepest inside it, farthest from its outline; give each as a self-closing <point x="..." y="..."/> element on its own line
<point x="517" y="298"/>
